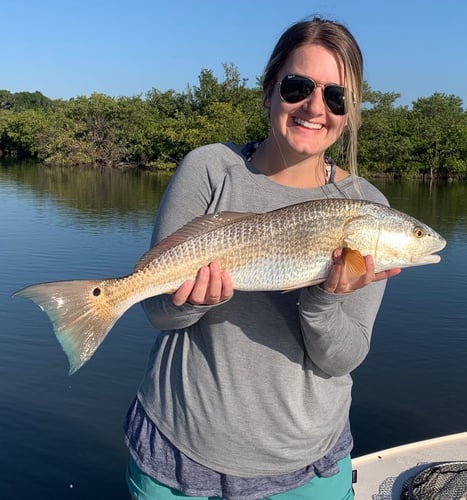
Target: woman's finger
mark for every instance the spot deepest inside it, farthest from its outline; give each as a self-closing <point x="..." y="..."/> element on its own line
<point x="182" y="294"/>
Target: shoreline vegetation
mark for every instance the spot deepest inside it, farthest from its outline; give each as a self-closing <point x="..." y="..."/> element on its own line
<point x="427" y="141"/>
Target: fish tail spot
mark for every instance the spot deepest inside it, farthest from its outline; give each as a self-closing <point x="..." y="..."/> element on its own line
<point x="80" y="323"/>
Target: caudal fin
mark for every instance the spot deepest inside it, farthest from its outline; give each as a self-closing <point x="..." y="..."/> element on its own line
<point x="80" y="313"/>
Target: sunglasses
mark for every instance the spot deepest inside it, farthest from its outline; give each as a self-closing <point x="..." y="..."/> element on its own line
<point x="296" y="88"/>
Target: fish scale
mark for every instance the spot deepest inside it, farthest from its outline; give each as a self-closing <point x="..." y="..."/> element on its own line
<point x="284" y="249"/>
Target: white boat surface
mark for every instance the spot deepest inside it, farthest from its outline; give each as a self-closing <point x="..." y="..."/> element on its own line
<point x="382" y="474"/>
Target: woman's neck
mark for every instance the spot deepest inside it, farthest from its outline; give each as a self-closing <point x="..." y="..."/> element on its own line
<point x="270" y="161"/>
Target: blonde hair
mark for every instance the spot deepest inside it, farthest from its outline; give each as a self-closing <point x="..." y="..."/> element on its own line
<point x="337" y="39"/>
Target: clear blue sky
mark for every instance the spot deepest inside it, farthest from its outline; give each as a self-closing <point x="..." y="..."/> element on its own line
<point x="66" y="48"/>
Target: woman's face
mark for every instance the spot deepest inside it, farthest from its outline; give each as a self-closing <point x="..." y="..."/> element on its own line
<point x="307" y="128"/>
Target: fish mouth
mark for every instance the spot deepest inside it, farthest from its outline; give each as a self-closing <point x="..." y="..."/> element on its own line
<point x="431" y="258"/>
<point x="426" y="259"/>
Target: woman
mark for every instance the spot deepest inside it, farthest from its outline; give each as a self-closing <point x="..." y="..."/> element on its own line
<point x="247" y="395"/>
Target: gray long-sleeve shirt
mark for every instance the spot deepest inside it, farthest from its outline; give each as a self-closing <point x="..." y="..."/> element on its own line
<point x="258" y="385"/>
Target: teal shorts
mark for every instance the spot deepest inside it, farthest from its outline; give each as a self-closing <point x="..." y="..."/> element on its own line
<point x="337" y="487"/>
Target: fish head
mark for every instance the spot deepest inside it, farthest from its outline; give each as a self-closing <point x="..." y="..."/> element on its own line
<point x="394" y="239"/>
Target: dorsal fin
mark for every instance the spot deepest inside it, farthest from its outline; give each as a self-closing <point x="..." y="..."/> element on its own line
<point x="198" y="226"/>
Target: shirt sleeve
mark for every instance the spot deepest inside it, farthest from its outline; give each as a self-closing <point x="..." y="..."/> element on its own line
<point x="337" y="328"/>
<point x="187" y="196"/>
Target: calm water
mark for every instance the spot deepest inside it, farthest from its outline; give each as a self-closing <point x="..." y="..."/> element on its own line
<point x="61" y="436"/>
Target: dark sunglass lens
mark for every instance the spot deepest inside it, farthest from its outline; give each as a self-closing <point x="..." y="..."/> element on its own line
<point x="296" y="88"/>
<point x="334" y="96"/>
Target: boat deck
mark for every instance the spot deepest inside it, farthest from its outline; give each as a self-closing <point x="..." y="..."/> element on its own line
<point x="381" y="475"/>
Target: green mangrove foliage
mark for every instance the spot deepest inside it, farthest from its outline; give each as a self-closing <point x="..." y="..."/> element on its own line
<point x="156" y="130"/>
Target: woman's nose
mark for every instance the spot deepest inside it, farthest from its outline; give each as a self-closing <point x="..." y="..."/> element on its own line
<point x="314" y="103"/>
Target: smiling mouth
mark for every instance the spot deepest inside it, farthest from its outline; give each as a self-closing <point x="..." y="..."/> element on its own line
<point x="309" y="125"/>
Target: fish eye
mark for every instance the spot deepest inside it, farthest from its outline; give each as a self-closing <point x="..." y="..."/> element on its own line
<point x="418" y="232"/>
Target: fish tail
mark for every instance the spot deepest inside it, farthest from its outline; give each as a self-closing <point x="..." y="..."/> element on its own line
<point x="81" y="313"/>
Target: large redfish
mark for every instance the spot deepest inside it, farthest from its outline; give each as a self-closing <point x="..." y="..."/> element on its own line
<point x="284" y="249"/>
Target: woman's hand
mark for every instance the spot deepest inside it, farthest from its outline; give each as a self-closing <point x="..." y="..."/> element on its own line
<point x="339" y="280"/>
<point x="211" y="286"/>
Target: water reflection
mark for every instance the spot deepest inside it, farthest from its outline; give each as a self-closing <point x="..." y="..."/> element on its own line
<point x="100" y="194"/>
<point x="431" y="203"/>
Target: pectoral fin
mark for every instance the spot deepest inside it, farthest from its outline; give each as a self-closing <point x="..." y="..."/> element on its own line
<point x="354" y="262"/>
